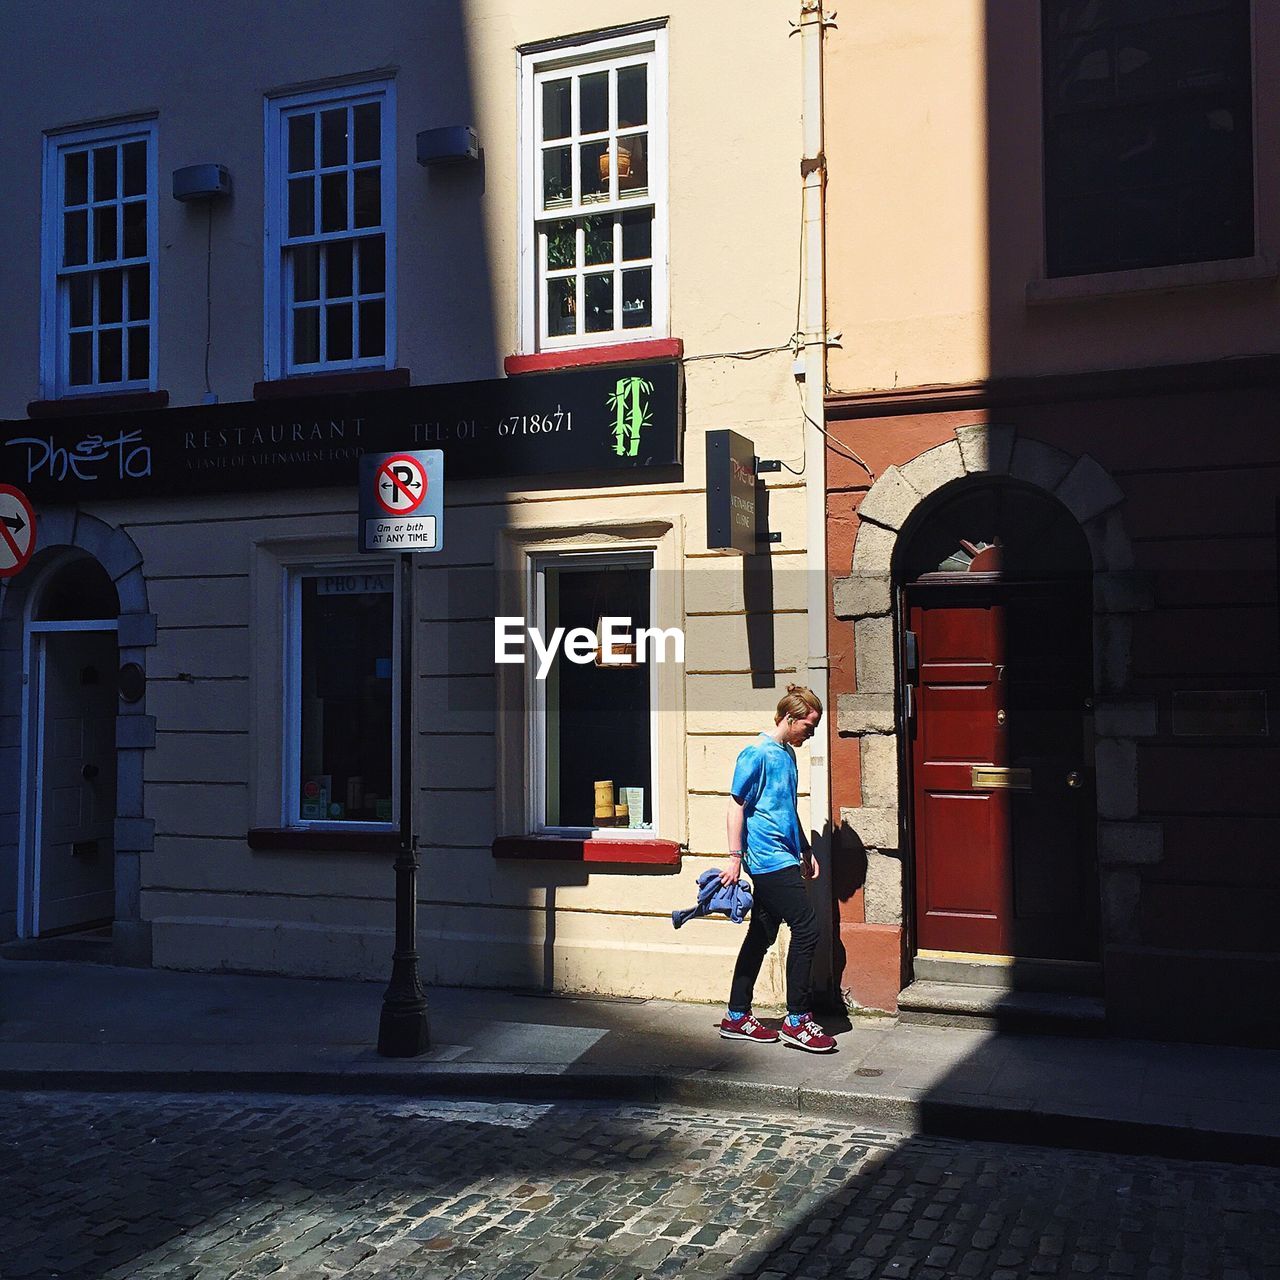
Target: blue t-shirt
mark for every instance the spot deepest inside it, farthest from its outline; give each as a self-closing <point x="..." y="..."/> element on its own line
<point x="765" y="781"/>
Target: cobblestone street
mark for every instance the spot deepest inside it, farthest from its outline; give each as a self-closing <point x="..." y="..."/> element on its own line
<point x="251" y="1185"/>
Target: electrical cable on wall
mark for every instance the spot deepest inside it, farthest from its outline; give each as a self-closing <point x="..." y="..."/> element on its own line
<point x="796" y="345"/>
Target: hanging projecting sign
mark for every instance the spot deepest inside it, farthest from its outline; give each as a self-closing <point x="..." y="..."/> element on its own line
<point x="402" y="501"/>
<point x="614" y="419"/>
<point x="731" y="493"/>
<point x="17" y="531"/>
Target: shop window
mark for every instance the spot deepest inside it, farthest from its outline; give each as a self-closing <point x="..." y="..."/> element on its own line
<point x="593" y="722"/>
<point x="594" y="191"/>
<point x="341" y="680"/>
<point x="1148" y="134"/>
<point x="99" y="261"/>
<point x="330" y="245"/>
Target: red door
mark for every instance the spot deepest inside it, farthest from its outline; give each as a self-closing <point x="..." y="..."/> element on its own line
<point x="1003" y="801"/>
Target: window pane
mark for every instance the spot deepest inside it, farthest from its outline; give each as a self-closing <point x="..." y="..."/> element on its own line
<point x="562" y="245"/>
<point x="104" y="173"/>
<point x="344" y="770"/>
<point x="597" y="720"/>
<point x="338" y="332"/>
<point x="338" y="270"/>
<point x="302" y="216"/>
<point x="135" y="229"/>
<point x="135" y="168"/>
<point x="105" y="248"/>
<point x="302" y="143"/>
<point x="333" y="202"/>
<point x="306" y="335"/>
<point x="75" y="238"/>
<point x="637" y="235"/>
<point x="373" y="340"/>
<point x="373" y="265"/>
<point x="599" y="240"/>
<point x="306" y="273"/>
<point x="633" y="165"/>
<point x="593" y="103"/>
<point x="139" y="293"/>
<point x="368" y="131"/>
<point x="81" y="359"/>
<point x="561" y="307"/>
<point x="75" y="177"/>
<point x="368" y="197"/>
<point x="555" y="109"/>
<point x="633" y="97"/>
<point x="593" y="160"/>
<point x="140" y="351"/>
<point x="110" y="300"/>
<point x="600" y="302"/>
<point x="110" y="356"/>
<point x="333" y="137"/>
<point x="637" y="298"/>
<point x="557" y="178"/>
<point x="80" y="291"/>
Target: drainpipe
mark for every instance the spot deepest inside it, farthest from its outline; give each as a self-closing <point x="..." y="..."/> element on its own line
<point x="813" y="369"/>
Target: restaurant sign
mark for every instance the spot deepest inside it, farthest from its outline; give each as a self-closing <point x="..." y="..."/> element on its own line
<point x="616" y="419"/>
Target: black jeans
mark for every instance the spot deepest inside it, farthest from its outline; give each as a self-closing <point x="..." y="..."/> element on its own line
<point x="777" y="896"/>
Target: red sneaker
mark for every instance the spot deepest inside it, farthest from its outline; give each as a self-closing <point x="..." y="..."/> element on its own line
<point x="806" y="1034"/>
<point x="746" y="1028"/>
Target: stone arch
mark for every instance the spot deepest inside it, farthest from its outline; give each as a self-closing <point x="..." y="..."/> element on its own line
<point x="865" y="598"/>
<point x="59" y="531"/>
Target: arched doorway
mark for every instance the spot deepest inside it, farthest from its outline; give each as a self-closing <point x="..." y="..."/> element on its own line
<point x="995" y="591"/>
<point x="66" y="871"/>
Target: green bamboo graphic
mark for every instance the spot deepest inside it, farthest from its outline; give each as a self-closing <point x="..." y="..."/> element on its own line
<point x="631" y="414"/>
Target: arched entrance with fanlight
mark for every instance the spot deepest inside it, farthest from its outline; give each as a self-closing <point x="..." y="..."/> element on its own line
<point x="995" y="597"/>
<point x="67" y="861"/>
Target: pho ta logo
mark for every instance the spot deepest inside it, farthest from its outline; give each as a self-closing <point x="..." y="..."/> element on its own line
<point x="630" y="404"/>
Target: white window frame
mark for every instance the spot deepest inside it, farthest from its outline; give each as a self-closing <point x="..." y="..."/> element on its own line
<point x="291" y="604"/>
<point x="605" y="50"/>
<point x="55" y="355"/>
<point x="277" y="327"/>
<point x="634" y="556"/>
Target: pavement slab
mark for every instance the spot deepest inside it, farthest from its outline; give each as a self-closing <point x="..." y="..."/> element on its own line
<point x="92" y="1026"/>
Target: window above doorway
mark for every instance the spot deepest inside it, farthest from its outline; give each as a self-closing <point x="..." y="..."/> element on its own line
<point x="99" y="277"/>
<point x="1148" y="134"/>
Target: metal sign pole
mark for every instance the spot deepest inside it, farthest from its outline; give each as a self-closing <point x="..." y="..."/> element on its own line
<point x="403" y="1030"/>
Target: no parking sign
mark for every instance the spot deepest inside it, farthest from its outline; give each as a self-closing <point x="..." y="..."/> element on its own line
<point x="402" y="501"/>
<point x="17" y="531"/>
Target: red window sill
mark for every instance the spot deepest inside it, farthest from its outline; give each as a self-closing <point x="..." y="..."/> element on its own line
<point x="109" y="402"/>
<point x="305" y="840"/>
<point x="582" y="357"/>
<point x="323" y="384"/>
<point x="640" y="852"/>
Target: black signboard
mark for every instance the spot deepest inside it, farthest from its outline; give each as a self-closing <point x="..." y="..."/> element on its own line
<point x="621" y="418"/>
<point x="731" y="493"/>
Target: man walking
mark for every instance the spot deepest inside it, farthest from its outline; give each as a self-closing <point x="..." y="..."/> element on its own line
<point x="765" y="835"/>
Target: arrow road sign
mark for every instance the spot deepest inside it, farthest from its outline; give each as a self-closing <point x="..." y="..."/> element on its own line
<point x="17" y="531"/>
